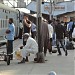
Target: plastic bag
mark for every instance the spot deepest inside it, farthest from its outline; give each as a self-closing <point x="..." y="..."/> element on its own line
<point x="18" y="54"/>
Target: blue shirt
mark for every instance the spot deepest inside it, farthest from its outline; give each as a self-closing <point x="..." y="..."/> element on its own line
<point x="70" y="25"/>
<point x="33" y="27"/>
<point x="11" y="35"/>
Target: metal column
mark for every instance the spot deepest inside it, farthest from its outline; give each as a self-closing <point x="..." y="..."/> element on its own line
<point x="39" y="23"/>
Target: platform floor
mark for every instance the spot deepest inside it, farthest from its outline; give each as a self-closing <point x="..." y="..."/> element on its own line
<point x="62" y="65"/>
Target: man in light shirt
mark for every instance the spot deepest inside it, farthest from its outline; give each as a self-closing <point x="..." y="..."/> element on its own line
<point x="10" y="37"/>
<point x="20" y="29"/>
<point x="69" y="28"/>
<point x="50" y="28"/>
<point x="33" y="30"/>
<point x="30" y="47"/>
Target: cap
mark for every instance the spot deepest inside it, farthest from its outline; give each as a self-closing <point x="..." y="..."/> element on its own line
<point x="26" y="35"/>
<point x="52" y="73"/>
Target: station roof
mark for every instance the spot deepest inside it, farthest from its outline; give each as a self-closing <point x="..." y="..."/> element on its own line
<point x="24" y="10"/>
<point x="60" y="8"/>
<point x="2" y="6"/>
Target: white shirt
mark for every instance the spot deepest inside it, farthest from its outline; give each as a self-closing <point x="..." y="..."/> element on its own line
<point x="50" y="28"/>
<point x="73" y="33"/>
<point x="21" y="25"/>
<point x="31" y="44"/>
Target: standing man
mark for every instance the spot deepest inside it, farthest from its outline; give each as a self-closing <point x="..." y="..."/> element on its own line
<point x="50" y="28"/>
<point x="26" y="27"/>
<point x="20" y="29"/>
<point x="54" y="34"/>
<point x="70" y="25"/>
<point x="60" y="32"/>
<point x="10" y="37"/>
<point x="33" y="30"/>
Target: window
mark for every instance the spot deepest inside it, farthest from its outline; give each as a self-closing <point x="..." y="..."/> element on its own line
<point x="3" y="10"/>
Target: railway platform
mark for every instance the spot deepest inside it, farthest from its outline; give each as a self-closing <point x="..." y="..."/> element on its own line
<point x="62" y="65"/>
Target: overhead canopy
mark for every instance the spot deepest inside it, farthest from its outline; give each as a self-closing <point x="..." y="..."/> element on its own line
<point x="23" y="10"/>
<point x="2" y="6"/>
<point x="60" y="8"/>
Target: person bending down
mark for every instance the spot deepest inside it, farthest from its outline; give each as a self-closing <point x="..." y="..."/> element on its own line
<point x="30" y="47"/>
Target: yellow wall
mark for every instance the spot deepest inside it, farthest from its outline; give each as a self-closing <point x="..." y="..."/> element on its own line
<point x="66" y="17"/>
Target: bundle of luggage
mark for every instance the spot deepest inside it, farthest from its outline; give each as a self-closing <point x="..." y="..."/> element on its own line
<point x="69" y="45"/>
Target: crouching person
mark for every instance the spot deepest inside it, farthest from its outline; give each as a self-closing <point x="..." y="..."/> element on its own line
<point x="30" y="47"/>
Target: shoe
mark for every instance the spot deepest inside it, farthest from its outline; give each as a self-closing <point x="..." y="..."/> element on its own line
<point x="66" y="53"/>
<point x="50" y="52"/>
<point x="20" y="38"/>
<point x="23" y="61"/>
<point x="26" y="60"/>
<point x="35" y="59"/>
<point x="45" y="54"/>
<point x="5" y="58"/>
<point x="74" y="48"/>
<point x="59" y="54"/>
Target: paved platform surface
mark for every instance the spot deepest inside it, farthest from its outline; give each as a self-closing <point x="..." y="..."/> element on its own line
<point x="62" y="65"/>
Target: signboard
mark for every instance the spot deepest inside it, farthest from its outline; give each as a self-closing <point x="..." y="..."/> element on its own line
<point x="47" y="8"/>
<point x="59" y="7"/>
<point x="21" y="4"/>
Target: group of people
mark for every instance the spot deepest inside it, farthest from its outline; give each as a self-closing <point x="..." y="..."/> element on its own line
<point x="30" y="44"/>
<point x="51" y="32"/>
<point x="57" y="34"/>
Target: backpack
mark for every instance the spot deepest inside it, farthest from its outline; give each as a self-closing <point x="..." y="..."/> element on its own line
<point x="69" y="45"/>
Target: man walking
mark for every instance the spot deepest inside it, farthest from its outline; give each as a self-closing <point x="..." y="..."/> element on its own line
<point x="60" y="32"/>
<point x="10" y="37"/>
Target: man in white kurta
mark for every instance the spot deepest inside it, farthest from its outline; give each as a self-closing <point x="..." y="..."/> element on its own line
<point x="50" y="28"/>
<point x="30" y="47"/>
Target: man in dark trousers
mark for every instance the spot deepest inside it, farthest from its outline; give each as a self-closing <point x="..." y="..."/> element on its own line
<point x="10" y="37"/>
<point x="60" y="32"/>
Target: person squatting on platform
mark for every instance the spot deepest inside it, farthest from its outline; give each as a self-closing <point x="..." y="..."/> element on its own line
<point x="30" y="47"/>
